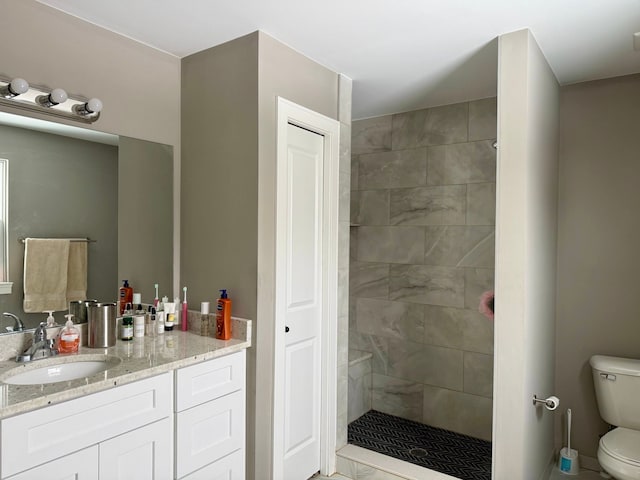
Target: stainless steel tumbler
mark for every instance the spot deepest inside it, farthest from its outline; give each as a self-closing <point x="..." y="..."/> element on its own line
<point x="102" y="325"/>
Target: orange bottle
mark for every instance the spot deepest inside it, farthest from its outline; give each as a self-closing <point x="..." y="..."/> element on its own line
<point x="126" y="296"/>
<point x="223" y="317"/>
<point x="69" y="337"/>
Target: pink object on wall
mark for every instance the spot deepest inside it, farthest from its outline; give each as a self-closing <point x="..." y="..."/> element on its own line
<point x="486" y="304"/>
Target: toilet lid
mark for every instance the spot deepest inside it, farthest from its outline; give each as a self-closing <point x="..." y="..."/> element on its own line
<point x="622" y="444"/>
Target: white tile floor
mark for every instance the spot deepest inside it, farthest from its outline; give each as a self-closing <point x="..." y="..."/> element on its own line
<point x="583" y="475"/>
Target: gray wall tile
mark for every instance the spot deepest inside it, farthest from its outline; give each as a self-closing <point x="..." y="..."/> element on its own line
<point x="377" y="346"/>
<point x="458" y="328"/>
<point x="478" y="374"/>
<point x="432" y="126"/>
<point x="473" y="162"/>
<point x="344" y="200"/>
<point x="460" y="246"/>
<point x="345" y="147"/>
<point x="354" y="172"/>
<point x="353" y="243"/>
<point x="443" y="205"/>
<point x="405" y="168"/>
<point x="460" y="412"/>
<point x="369" y="280"/>
<point x="386" y="318"/>
<point x="371" y="135"/>
<point x="483" y="120"/>
<point x="397" y="397"/>
<point x="476" y="282"/>
<point x="373" y="207"/>
<point x="481" y="204"/>
<point x="426" y="284"/>
<point x="391" y="244"/>
<point x="439" y="366"/>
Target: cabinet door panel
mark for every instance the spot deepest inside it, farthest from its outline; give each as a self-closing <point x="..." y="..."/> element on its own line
<point x="209" y="380"/>
<point x="37" y="437"/>
<point x="208" y="432"/>
<point x="143" y="454"/>
<point x="230" y="467"/>
<point x="82" y="465"/>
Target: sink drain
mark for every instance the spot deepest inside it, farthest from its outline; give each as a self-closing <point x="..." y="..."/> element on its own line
<point x="418" y="452"/>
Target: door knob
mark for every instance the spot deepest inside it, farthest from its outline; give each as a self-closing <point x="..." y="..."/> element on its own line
<point x="286" y="329"/>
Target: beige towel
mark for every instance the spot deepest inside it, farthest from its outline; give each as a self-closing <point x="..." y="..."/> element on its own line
<point x="77" y="272"/>
<point x="46" y="264"/>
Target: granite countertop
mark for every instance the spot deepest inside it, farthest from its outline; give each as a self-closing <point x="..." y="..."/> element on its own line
<point x="134" y="360"/>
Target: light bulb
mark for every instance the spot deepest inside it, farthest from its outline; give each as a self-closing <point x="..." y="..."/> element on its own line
<point x="18" y="86"/>
<point x="94" y="105"/>
<point x="58" y="96"/>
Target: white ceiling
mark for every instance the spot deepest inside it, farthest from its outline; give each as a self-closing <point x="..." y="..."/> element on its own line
<point x="401" y="54"/>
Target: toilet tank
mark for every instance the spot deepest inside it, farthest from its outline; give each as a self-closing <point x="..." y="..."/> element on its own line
<point x="617" y="384"/>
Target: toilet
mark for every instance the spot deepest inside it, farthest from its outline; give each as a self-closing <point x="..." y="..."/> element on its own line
<point x="617" y="386"/>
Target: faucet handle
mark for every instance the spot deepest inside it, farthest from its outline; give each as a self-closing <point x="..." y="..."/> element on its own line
<point x="40" y="335"/>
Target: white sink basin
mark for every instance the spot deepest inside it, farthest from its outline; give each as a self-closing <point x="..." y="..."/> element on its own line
<point x="64" y="369"/>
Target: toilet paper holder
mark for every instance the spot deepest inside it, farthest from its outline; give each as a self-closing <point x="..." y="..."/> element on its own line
<point x="550" y="403"/>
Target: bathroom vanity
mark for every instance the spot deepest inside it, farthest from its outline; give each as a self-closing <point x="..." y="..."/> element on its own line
<point x="174" y="407"/>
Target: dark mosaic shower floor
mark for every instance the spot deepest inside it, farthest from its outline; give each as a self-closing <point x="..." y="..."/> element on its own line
<point x="447" y="452"/>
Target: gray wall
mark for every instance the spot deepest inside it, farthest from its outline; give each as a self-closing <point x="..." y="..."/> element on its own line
<point x="61" y="187"/>
<point x="598" y="311"/>
<point x="423" y="197"/>
<point x="145" y="216"/>
<point x="219" y="205"/>
<point x="228" y="187"/>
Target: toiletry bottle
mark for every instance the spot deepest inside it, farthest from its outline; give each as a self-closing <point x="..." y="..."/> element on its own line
<point x="69" y="337"/>
<point x="170" y="315"/>
<point x="152" y="330"/>
<point x="51" y="321"/>
<point x="138" y="326"/>
<point x="137" y="299"/>
<point x="204" y="319"/>
<point x="126" y="331"/>
<point x="184" y="316"/>
<point x="126" y="295"/>
<point x="223" y="317"/>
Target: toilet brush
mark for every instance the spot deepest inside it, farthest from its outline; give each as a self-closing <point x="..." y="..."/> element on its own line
<point x="568" y="461"/>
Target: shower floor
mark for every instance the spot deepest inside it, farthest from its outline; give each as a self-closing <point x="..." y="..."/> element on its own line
<point x="437" y="449"/>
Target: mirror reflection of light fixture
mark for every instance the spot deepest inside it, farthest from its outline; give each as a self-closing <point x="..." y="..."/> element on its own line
<point x="18" y="94"/>
<point x="15" y="87"/>
<point x="56" y="97"/>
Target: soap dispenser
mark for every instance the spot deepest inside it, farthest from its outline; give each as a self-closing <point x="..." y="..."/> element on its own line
<point x="51" y="321"/>
<point x="69" y="337"/>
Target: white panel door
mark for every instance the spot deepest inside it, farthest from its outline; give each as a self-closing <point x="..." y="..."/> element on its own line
<point x="142" y="454"/>
<point x="300" y="303"/>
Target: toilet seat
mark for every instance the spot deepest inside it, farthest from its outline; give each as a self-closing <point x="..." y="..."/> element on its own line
<point x="619" y="453"/>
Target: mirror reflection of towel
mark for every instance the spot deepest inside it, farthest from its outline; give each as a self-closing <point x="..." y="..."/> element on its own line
<point x="46" y="264"/>
<point x="77" y="272"/>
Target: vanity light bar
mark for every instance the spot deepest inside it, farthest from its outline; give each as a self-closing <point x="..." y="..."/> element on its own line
<point x="16" y="93"/>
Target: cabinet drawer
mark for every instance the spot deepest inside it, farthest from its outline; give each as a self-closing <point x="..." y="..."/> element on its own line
<point x="209" y="432"/>
<point x="43" y="435"/>
<point x="209" y="380"/>
<point x="230" y="467"/>
<point x="82" y="465"/>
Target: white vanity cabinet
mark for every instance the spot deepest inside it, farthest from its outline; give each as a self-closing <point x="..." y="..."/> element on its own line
<point x="187" y="424"/>
<point x="210" y="419"/>
<point x="93" y="436"/>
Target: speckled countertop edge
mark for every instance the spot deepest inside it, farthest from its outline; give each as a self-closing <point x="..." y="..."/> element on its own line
<point x="140" y="358"/>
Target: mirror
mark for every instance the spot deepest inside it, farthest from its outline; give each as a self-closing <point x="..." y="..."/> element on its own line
<point x="69" y="182"/>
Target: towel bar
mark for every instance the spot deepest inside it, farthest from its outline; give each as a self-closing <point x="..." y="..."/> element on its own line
<point x="88" y="240"/>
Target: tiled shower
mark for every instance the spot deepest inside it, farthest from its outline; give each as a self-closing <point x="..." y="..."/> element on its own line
<point x="422" y="253"/>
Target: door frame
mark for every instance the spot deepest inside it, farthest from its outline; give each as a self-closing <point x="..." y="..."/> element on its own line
<point x="289" y="112"/>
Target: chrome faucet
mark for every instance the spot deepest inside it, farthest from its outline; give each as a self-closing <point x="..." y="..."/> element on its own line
<point x="18" y="327"/>
<point x="42" y="347"/>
